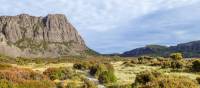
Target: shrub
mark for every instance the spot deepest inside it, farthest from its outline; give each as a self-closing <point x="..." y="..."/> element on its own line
<point x="82" y="66"/>
<point x="166" y="64"/>
<point x="58" y="73"/>
<point x="17" y="75"/>
<point x="176" y="56"/>
<point x="109" y="67"/>
<point x="158" y="80"/>
<point x="72" y="85"/>
<point x="5" y="84"/>
<point x="38" y="61"/>
<point x="119" y="86"/>
<point x="145" y="59"/>
<point x="161" y="59"/>
<point x="156" y="63"/>
<point x="89" y="84"/>
<point x="196" y="66"/>
<point x="5" y="66"/>
<point x="22" y="61"/>
<point x="177" y="64"/>
<point x="36" y="84"/>
<point x="107" y="77"/>
<point x="172" y="82"/>
<point x="59" y="85"/>
<point x="146" y="76"/>
<point x="198" y="79"/>
<point x="135" y="61"/>
<point x="129" y="64"/>
<point x="23" y="78"/>
<point x="96" y="70"/>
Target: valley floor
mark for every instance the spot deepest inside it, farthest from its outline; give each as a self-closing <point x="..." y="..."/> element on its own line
<point x="125" y="74"/>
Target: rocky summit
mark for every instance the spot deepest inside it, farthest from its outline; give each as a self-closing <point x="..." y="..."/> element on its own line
<point x="29" y="36"/>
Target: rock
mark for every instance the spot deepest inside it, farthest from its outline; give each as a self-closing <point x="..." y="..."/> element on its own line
<point x="29" y="36"/>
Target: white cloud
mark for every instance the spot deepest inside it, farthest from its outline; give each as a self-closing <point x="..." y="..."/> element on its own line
<point x="97" y="20"/>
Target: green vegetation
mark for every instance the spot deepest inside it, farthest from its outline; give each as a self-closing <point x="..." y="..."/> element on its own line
<point x="92" y="71"/>
<point x="107" y="77"/>
<point x="36" y="84"/>
<point x="5" y="66"/>
<point x="89" y="84"/>
<point x="196" y="66"/>
<point x="177" y="64"/>
<point x="119" y="86"/>
<point x="23" y="78"/>
<point x="6" y="84"/>
<point x="82" y="66"/>
<point x="96" y="70"/>
<point x="198" y="79"/>
<point x="158" y="80"/>
<point x="176" y="56"/>
<point x="58" y="73"/>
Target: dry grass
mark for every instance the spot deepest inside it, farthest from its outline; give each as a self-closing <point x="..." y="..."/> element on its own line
<point x="127" y="74"/>
<point x="42" y="67"/>
<point x="189" y="75"/>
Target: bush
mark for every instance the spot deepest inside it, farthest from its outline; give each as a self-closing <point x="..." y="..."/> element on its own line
<point x="177" y="64"/>
<point x="82" y="66"/>
<point x="172" y="82"/>
<point x="5" y="66"/>
<point x="196" y="66"/>
<point x="161" y="59"/>
<point x="96" y="70"/>
<point x="22" y="61"/>
<point x="198" y="79"/>
<point x="72" y="85"/>
<point x="89" y="84"/>
<point x="109" y="67"/>
<point x="36" y="84"/>
<point x="17" y="75"/>
<point x="158" y="80"/>
<point x="146" y="76"/>
<point x="107" y="77"/>
<point x="166" y="64"/>
<point x="128" y="64"/>
<point x="58" y="73"/>
<point x="38" y="61"/>
<point x="23" y="78"/>
<point x="5" y="84"/>
<point x="156" y="63"/>
<point x="119" y="86"/>
<point x="176" y="56"/>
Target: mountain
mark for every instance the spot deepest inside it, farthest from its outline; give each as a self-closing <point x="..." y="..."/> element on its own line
<point x="190" y="49"/>
<point x="30" y="36"/>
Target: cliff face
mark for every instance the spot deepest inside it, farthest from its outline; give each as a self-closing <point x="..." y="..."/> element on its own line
<point x="30" y="36"/>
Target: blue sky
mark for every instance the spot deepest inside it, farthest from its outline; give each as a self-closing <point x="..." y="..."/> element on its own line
<point x="115" y="26"/>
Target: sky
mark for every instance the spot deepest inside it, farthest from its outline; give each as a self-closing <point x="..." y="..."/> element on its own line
<point x="115" y="26"/>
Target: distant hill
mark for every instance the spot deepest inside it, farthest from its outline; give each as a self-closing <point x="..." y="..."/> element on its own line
<point x="190" y="49"/>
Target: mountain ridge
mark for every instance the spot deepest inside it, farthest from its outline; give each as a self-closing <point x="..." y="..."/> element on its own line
<point x="189" y="49"/>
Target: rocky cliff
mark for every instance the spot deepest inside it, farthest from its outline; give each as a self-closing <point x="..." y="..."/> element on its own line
<point x="29" y="36"/>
